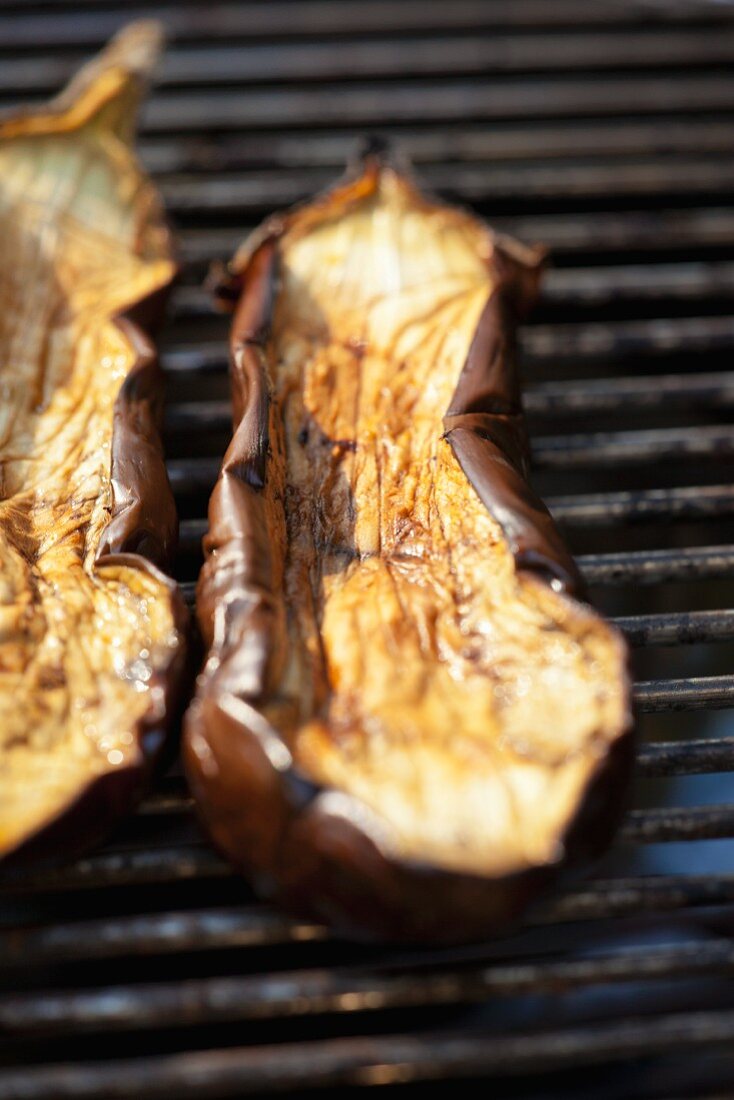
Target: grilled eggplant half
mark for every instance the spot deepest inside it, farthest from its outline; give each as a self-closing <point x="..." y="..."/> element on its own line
<point x="408" y="721"/>
<point x="91" y="631"/>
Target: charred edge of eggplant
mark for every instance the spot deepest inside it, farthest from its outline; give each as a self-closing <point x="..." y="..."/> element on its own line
<point x="277" y="829"/>
<point x="144" y="528"/>
<point x="268" y="819"/>
<point x="107" y="799"/>
<point x="485" y="427"/>
<point x="358" y="889"/>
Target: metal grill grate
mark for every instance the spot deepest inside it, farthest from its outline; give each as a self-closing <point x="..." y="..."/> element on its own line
<point x="604" y="130"/>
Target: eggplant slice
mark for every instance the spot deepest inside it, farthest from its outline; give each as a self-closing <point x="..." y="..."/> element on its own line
<point x="91" y="631"/>
<point x="408" y="721"/>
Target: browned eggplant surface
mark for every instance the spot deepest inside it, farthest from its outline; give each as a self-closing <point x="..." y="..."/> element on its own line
<point x="91" y="632"/>
<point x="408" y="722"/>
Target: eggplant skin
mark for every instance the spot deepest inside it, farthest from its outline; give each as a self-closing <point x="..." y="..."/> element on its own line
<point x="410" y="724"/>
<point x="93" y="653"/>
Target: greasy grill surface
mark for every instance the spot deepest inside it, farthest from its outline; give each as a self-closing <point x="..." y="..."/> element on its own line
<point x="604" y="130"/>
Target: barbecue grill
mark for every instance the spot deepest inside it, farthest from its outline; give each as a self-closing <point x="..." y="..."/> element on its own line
<point x="604" y="130"/>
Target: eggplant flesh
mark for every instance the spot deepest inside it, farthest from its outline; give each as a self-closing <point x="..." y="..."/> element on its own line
<point x="91" y="631"/>
<point x="409" y="720"/>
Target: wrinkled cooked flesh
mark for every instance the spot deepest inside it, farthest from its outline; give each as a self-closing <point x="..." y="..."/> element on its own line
<point x="465" y="704"/>
<point x="81" y="240"/>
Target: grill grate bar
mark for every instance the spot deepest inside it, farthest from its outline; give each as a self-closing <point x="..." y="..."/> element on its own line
<point x="133" y="868"/>
<point x="193" y="1003"/>
<point x="664" y="824"/>
<point x="708" y="390"/>
<point x="677" y="628"/>
<point x="155" y="934"/>
<point x="188" y="591"/>
<point x="667" y="758"/>
<point x="628" y="338"/>
<point x="372" y="103"/>
<point x="461" y="55"/>
<point x="189" y="475"/>
<point x="195" y="359"/>
<point x="595" y="285"/>
<point x="185" y="862"/>
<point x="161" y="804"/>
<point x="256" y="926"/>
<point x="188" y="22"/>
<point x="368" y="1061"/>
<point x="656" y="566"/>
<point x="696" y="693"/>
<point x="643" y="505"/>
<point x="601" y="899"/>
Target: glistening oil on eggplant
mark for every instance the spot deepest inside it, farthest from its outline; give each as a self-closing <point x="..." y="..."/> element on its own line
<point x="409" y="723"/>
<point x="92" y="647"/>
